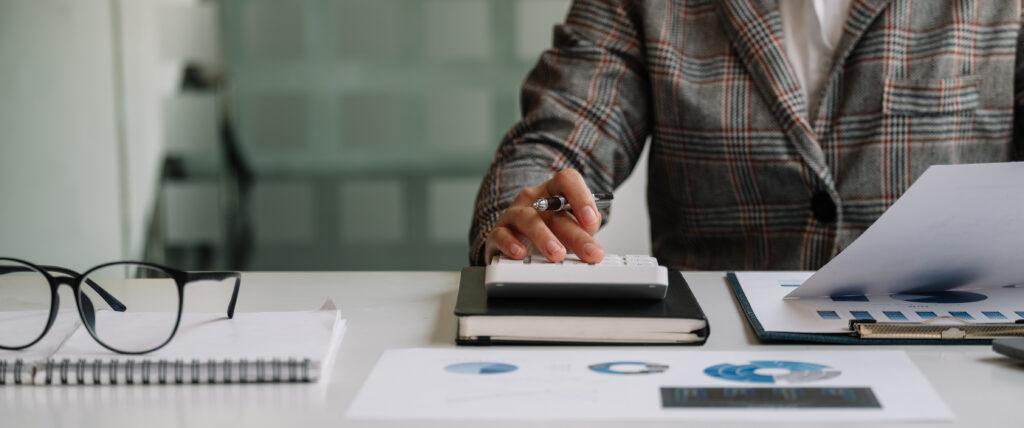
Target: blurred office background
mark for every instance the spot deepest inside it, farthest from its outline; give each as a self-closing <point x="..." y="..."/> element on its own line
<point x="263" y="134"/>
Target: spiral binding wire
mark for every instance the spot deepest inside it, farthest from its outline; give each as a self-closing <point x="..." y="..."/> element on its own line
<point x="6" y="367"/>
<point x="3" y="372"/>
<point x="147" y="372"/>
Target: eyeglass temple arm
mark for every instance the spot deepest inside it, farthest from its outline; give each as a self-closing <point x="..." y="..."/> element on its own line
<point x="220" y="276"/>
<point x="107" y="297"/>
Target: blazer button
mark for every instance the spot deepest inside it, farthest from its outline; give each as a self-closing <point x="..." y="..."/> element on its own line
<point x="823" y="208"/>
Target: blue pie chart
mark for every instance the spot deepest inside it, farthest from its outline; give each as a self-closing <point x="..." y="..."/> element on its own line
<point x="480" y="368"/>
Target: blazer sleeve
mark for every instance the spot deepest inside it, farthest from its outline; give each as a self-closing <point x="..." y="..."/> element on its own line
<point x="584" y="106"/>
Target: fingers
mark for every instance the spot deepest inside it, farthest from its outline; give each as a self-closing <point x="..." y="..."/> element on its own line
<point x="576" y="238"/>
<point x="550" y="232"/>
<point x="528" y="222"/>
<point x="547" y="231"/>
<point x="501" y="240"/>
<point x="569" y="183"/>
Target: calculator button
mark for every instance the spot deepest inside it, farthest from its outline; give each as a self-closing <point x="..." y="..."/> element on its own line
<point x="572" y="259"/>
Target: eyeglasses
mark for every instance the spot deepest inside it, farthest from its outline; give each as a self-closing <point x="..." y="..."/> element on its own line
<point x="29" y="302"/>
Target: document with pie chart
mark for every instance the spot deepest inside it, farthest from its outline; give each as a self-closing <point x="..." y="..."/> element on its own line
<point x="635" y="384"/>
<point x="958" y="227"/>
<point x="763" y="297"/>
<point x="942" y="263"/>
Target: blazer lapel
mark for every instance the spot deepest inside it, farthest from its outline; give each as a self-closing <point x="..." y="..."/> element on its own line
<point x="755" y="29"/>
<point x="862" y="13"/>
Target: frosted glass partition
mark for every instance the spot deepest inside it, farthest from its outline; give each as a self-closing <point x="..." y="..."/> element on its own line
<point x="372" y="121"/>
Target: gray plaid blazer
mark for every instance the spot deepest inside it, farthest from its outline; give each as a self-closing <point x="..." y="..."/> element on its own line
<point x="739" y="178"/>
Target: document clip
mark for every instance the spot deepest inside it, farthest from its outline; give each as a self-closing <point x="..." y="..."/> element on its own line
<point x="944" y="327"/>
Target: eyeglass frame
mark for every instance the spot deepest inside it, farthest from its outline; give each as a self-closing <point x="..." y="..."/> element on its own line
<point x="74" y="280"/>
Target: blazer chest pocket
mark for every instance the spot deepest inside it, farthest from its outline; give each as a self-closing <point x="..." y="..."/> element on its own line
<point x="921" y="97"/>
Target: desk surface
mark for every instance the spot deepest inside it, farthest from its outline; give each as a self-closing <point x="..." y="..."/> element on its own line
<point x="388" y="310"/>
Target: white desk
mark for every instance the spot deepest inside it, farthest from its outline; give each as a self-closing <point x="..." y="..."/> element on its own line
<point x="414" y="309"/>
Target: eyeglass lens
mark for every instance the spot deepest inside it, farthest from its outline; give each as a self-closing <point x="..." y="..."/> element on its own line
<point x="24" y="304"/>
<point x="151" y="297"/>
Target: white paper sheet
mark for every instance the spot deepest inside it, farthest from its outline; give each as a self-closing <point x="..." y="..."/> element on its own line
<point x="23" y="324"/>
<point x="499" y="384"/>
<point x="204" y="336"/>
<point x="957" y="226"/>
<point x="63" y="327"/>
<point x="201" y="337"/>
<point x="765" y="292"/>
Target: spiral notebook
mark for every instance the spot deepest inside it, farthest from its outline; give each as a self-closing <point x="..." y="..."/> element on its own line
<point x="207" y="348"/>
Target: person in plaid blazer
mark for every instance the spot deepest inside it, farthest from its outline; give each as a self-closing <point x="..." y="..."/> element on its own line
<point x="739" y="177"/>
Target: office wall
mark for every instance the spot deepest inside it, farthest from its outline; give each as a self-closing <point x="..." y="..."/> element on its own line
<point x="59" y="171"/>
<point x="155" y="38"/>
<point x="397" y="104"/>
<point x="81" y="89"/>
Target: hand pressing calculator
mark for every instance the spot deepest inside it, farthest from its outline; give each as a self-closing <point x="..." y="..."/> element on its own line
<point x="616" y="277"/>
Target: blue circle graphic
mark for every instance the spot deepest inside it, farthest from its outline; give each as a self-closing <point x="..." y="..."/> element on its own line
<point x="941" y="297"/>
<point x="795" y="372"/>
<point x="480" y="368"/>
<point x="628" y="367"/>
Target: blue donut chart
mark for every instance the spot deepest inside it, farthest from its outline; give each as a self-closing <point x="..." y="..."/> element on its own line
<point x="628" y="368"/>
<point x="797" y="372"/>
<point x="480" y="368"/>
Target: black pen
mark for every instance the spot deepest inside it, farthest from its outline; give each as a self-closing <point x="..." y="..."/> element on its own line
<point x="559" y="203"/>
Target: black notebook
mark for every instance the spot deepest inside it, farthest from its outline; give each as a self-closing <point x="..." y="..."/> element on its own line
<point x="677" y="319"/>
